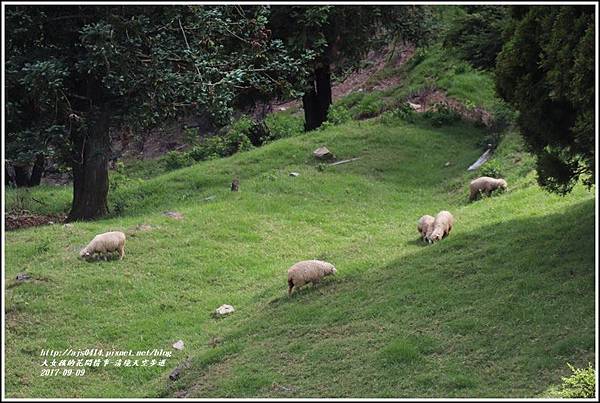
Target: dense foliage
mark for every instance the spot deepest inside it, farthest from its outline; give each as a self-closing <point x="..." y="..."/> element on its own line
<point x="476" y="35"/>
<point x="340" y="37"/>
<point x="546" y="71"/>
<point x="73" y="72"/>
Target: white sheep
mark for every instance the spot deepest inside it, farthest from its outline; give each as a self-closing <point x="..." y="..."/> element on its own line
<point x="442" y="225"/>
<point x="308" y="271"/>
<point x="485" y="184"/>
<point x="105" y="243"/>
<point x="425" y="225"/>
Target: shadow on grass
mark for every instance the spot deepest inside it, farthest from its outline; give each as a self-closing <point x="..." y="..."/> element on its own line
<point x="518" y="294"/>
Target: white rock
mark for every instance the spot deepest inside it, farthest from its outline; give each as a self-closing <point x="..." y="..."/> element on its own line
<point x="322" y="153"/>
<point x="294" y="174"/>
<point x="282" y="108"/>
<point x="224" y="310"/>
<point x="415" y="107"/>
<point x="178" y="345"/>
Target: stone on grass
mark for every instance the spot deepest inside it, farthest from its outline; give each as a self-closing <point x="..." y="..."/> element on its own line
<point x="323" y="153"/>
<point x="294" y="174"/>
<point x="223" y="310"/>
<point x="178" y="345"/>
<point x="174" y="214"/>
<point x="23" y="277"/>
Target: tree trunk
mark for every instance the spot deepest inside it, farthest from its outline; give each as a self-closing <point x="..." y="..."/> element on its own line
<point x="317" y="99"/>
<point x="37" y="170"/>
<point x="90" y="170"/>
<point x="21" y="176"/>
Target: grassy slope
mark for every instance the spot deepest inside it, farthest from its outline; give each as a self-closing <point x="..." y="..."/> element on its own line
<point x="496" y="309"/>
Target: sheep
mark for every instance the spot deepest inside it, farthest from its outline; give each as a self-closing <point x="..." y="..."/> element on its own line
<point x="485" y="184"/>
<point x="308" y="271"/>
<point x="424" y="224"/>
<point x="105" y="243"/>
<point x="442" y="225"/>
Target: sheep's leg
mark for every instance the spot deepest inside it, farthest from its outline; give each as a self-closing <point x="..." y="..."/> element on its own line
<point x="290" y="285"/>
<point x="121" y="252"/>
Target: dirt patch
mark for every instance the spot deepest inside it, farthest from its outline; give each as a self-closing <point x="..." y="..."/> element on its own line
<point x="427" y="99"/>
<point x="24" y="219"/>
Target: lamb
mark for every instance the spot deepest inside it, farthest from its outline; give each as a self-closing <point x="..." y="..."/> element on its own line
<point x="105" y="243"/>
<point x="442" y="225"/>
<point x="485" y="184"/>
<point x="308" y="271"/>
<point x="425" y="225"/>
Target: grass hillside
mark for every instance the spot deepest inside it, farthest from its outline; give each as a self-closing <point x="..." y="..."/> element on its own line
<point x="497" y="309"/>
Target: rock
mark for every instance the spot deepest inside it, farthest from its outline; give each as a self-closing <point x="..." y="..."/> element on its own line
<point x="223" y="310"/>
<point x="174" y="214"/>
<point x="23" y="277"/>
<point x="68" y="226"/>
<point x="175" y="374"/>
<point x="294" y="174"/>
<point x="143" y="227"/>
<point x="181" y="394"/>
<point x="209" y="198"/>
<point x="323" y="153"/>
<point x="178" y="345"/>
<point x="282" y="108"/>
<point x="50" y="222"/>
<point x="415" y="107"/>
<point x="235" y="185"/>
<point x="447" y="164"/>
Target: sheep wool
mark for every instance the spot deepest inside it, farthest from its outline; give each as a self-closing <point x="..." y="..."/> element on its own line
<point x="425" y="225"/>
<point x="442" y="225"/>
<point x="308" y="271"/>
<point x="486" y="185"/>
<point x="105" y="243"/>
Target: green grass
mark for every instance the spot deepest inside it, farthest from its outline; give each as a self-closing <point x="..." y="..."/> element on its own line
<point x="495" y="310"/>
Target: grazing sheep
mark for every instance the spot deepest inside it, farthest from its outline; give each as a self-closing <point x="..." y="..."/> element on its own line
<point x="425" y="225"/>
<point x="105" y="243"/>
<point x="308" y="271"/>
<point x="485" y="184"/>
<point x="442" y="225"/>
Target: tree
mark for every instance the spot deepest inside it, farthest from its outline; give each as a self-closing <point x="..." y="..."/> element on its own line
<point x="340" y="36"/>
<point x="73" y="72"/>
<point x="476" y="34"/>
<point x="546" y="70"/>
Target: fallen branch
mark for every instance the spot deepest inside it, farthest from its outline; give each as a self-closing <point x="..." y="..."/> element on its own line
<point x="344" y="161"/>
<point x="482" y="160"/>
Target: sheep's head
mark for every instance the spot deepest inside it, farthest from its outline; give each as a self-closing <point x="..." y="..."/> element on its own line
<point x="503" y="184"/>
<point x="84" y="254"/>
<point x="436" y="235"/>
<point x="330" y="269"/>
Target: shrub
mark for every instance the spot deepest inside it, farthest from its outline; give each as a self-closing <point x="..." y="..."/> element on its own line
<point x="282" y="125"/>
<point x="441" y="115"/>
<point x="492" y="169"/>
<point x="403" y="113"/>
<point x="338" y="114"/>
<point x="176" y="160"/>
<point x="582" y="384"/>
<point x="369" y="106"/>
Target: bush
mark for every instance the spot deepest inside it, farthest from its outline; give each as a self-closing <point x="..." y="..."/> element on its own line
<point x="282" y="125"/>
<point x="403" y="113"/>
<point x="582" y="384"/>
<point x="370" y="105"/>
<point x="176" y="160"/>
<point x="492" y="169"/>
<point x="441" y="115"/>
<point x="338" y="114"/>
